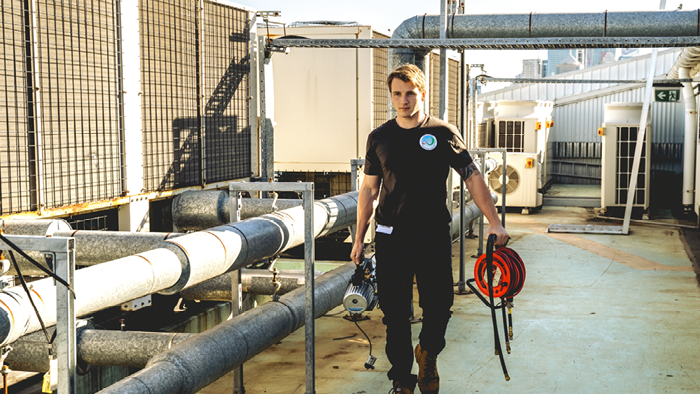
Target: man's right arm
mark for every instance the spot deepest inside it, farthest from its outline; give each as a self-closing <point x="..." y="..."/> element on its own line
<point x="369" y="191"/>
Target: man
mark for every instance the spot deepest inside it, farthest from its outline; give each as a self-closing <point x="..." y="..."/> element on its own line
<point x="411" y="156"/>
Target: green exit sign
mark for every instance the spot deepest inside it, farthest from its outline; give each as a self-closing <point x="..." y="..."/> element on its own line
<point x="667" y="95"/>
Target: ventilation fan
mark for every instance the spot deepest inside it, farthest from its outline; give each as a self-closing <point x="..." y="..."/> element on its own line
<point x="512" y="179"/>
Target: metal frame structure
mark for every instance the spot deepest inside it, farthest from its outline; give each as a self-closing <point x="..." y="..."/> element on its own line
<point x="492" y="43"/>
<point x="307" y="188"/>
<point x="62" y="251"/>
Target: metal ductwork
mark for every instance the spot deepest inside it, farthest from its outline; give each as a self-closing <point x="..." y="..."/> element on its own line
<point x="534" y="25"/>
<point x="203" y="359"/>
<point x="175" y="264"/>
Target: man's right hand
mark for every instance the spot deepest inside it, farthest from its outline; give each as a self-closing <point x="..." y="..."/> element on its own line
<point x="358" y="253"/>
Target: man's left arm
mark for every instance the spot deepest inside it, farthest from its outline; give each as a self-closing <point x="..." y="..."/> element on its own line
<point x="482" y="197"/>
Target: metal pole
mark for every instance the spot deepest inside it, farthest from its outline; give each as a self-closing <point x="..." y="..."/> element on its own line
<point x="355" y="165"/>
<point x="309" y="245"/>
<point x="463" y="102"/>
<point x="481" y="216"/>
<point x="632" y="191"/>
<point x="234" y="200"/>
<point x="64" y="265"/>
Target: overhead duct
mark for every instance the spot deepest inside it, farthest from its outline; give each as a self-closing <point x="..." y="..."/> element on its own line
<point x="175" y="264"/>
<point x="502" y="26"/>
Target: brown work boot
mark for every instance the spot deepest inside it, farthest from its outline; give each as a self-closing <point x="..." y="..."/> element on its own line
<point x="428" y="379"/>
<point x="399" y="389"/>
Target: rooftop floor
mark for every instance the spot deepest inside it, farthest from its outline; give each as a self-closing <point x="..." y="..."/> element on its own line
<point x="598" y="314"/>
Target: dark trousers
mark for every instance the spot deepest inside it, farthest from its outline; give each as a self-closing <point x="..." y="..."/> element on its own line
<point x="426" y="252"/>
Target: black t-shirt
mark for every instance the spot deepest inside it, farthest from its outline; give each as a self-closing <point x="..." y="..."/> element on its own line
<point x="413" y="165"/>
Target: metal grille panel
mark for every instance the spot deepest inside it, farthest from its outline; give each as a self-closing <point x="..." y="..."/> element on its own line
<point x="625" y="145"/>
<point x="226" y="70"/>
<point x="79" y="81"/>
<point x="511" y="135"/>
<point x="16" y="116"/>
<point x="170" y="111"/>
<point x="380" y="71"/>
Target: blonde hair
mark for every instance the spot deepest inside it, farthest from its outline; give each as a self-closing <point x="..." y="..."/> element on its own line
<point x="408" y="73"/>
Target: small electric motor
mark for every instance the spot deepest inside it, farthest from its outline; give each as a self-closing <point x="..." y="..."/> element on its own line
<point x="361" y="294"/>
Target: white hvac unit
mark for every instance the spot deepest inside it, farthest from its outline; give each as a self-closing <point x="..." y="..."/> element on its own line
<point x="485" y="124"/>
<point x="619" y="135"/>
<point x="523" y="180"/>
<point x="521" y="126"/>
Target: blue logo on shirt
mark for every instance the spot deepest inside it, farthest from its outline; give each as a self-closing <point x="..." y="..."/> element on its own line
<point x="428" y="142"/>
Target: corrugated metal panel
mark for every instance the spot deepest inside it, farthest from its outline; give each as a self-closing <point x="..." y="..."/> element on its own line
<point x="579" y="121"/>
<point x="452" y="88"/>
<point x="17" y="162"/>
<point x="634" y="68"/>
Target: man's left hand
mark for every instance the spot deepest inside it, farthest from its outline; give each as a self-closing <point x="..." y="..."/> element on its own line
<point x="499" y="232"/>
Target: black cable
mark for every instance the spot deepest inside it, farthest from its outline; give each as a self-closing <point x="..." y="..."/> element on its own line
<point x="368" y="340"/>
<point x="31" y="301"/>
<point x="31" y="260"/>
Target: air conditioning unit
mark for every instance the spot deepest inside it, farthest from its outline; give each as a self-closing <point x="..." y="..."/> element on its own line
<point x="521" y="126"/>
<point x="523" y="180"/>
<point x="619" y="136"/>
<point x="485" y="125"/>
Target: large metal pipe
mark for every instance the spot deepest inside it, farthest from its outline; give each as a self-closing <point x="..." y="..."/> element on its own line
<point x="175" y="264"/>
<point x="41" y="227"/>
<point x="688" y="141"/>
<point x="201" y="360"/>
<point x="688" y="58"/>
<point x="95" y="347"/>
<point x="603" y="24"/>
<point x="197" y="210"/>
<point x="253" y="281"/>
<point x="93" y="247"/>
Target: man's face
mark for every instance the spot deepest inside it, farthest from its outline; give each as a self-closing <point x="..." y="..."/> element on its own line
<point x="406" y="97"/>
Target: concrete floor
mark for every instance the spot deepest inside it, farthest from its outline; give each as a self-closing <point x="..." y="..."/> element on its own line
<point x="598" y="314"/>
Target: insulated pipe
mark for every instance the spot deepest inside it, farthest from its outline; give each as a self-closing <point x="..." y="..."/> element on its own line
<point x="39" y="227"/>
<point x="93" y="247"/>
<point x="95" y="347"/>
<point x="604" y="24"/>
<point x="688" y="141"/>
<point x="688" y="58"/>
<point x="203" y="359"/>
<point x="174" y="264"/>
<point x="197" y="210"/>
<point x="253" y="281"/>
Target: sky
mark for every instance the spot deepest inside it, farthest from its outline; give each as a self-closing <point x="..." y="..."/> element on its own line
<point x="386" y="15"/>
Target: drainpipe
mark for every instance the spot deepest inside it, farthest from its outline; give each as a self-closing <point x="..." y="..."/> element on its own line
<point x="174" y="265"/>
<point x="688" y="141"/>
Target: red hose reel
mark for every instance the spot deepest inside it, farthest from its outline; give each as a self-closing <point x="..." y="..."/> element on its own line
<point x="508" y="273"/>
